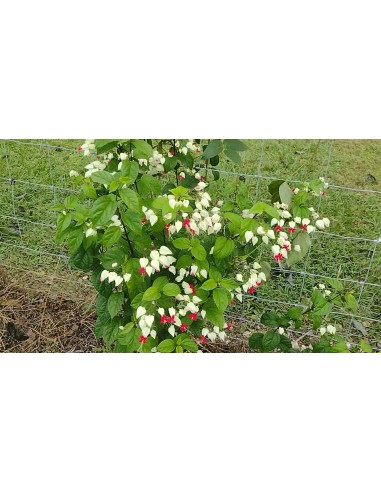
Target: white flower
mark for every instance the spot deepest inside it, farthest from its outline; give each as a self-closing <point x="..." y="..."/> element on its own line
<point x="104" y="275"/>
<point x="322" y="330"/>
<point x="204" y="273"/>
<point x="326" y="221"/>
<point x="172" y="330"/>
<point x="261" y="231"/>
<point x="73" y="174"/>
<point x="320" y="224"/>
<point x="141" y="311"/>
<point x="239" y="277"/>
<point x="165" y="251"/>
<point x="114" y="265"/>
<point x="123" y="156"/>
<point x="271" y="234"/>
<point x="297" y="248"/>
<point x="118" y="280"/>
<point x="248" y="236"/>
<point x="90" y="232"/>
<point x="280" y="330"/>
<point x="310" y="229"/>
<point x="127" y="277"/>
<point x="331" y="329"/>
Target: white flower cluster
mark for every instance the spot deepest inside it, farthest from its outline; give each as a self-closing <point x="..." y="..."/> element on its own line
<point x="324" y="290"/>
<point x="155" y="163"/>
<point x="255" y="280"/>
<point x="329" y="329"/>
<point x="88" y="147"/>
<point x="161" y="258"/>
<point x="216" y="332"/>
<point x="115" y="221"/>
<point x="150" y="216"/>
<point x="193" y="272"/>
<point x="145" y="322"/>
<point x="114" y="277"/>
<point x="93" y="167"/>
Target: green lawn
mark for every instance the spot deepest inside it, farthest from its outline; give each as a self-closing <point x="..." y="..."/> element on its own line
<point x="26" y="235"/>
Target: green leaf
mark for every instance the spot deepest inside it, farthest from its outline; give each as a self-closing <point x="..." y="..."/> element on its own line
<point x="189" y="345"/>
<point x="184" y="261"/>
<point x="214" y="315"/>
<point x="102" y="177"/>
<point x="113" y="255"/>
<point x="285" y="194"/>
<point x="166" y="346"/>
<point x="151" y="294"/>
<point x="215" y="274"/>
<point x="229" y="283"/>
<point x="222" y="298"/>
<point x="179" y="349"/>
<point x="83" y="259"/>
<point x="223" y="247"/>
<point x="142" y="149"/>
<point x="129" y="337"/>
<point x="159" y="283"/>
<point x="171" y="290"/>
<point x="131" y="199"/>
<point x="271" y="340"/>
<point x="256" y="341"/>
<point x="110" y="331"/>
<point x="233" y="156"/>
<point x="274" y="190"/>
<point x="295" y="313"/>
<point x="111" y="236"/>
<point x="323" y="346"/>
<point x="235" y="219"/>
<point x="365" y="347"/>
<point x="236" y="145"/>
<point x="262" y="207"/>
<point x="285" y="344"/>
<point x="304" y="241"/>
<point x="130" y="170"/>
<point x="75" y="239"/>
<point x="213" y="148"/>
<point x="270" y="318"/>
<point x="335" y="284"/>
<point x="88" y="191"/>
<point x="244" y="201"/>
<point x="198" y="251"/>
<point x="148" y="184"/>
<point x="318" y="300"/>
<point x="181" y="243"/>
<point x="351" y="302"/>
<point x="103" y="209"/>
<point x="103" y="146"/>
<point x="209" y="284"/>
<point x="115" y="303"/>
<point x="228" y="206"/>
<point x="132" y="221"/>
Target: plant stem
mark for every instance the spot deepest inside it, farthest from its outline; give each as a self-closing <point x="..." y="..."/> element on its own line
<point x="125" y="231"/>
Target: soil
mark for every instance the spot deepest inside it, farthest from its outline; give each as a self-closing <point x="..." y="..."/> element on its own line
<point x="37" y="317"/>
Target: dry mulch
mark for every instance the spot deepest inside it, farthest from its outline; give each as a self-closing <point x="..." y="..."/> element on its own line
<point x="40" y="313"/>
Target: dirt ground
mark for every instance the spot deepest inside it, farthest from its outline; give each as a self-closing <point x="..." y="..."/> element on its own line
<point x="37" y="317"/>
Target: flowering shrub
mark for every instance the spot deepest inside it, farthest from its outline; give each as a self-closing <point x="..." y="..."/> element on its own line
<point x="167" y="258"/>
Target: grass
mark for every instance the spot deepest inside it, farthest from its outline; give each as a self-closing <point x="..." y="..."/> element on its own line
<point x="26" y="219"/>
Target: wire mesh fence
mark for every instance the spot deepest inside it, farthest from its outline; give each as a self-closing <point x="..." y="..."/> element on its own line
<point x="35" y="175"/>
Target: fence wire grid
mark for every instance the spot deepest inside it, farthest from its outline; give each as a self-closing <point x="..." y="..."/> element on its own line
<point x="27" y="226"/>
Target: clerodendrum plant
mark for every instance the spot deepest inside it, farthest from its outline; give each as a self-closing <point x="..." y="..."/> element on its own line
<point x="167" y="258"/>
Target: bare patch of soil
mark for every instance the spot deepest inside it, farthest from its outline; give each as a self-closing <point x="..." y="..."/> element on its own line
<point x="39" y="315"/>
